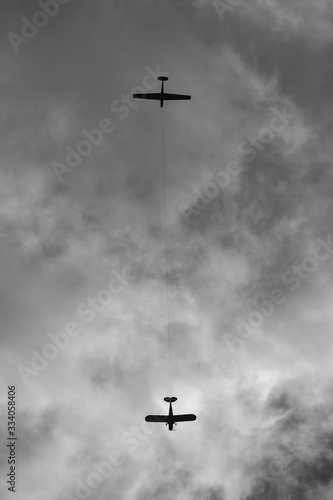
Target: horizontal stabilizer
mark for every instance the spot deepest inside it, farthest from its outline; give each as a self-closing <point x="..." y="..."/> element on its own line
<point x="170" y="400"/>
<point x="184" y="418"/>
<point x="156" y="418"/>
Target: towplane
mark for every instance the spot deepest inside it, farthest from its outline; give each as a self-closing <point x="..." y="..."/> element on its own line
<point x="170" y="419"/>
<point x="162" y="96"/>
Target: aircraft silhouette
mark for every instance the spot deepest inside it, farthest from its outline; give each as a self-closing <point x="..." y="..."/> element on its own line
<point x="162" y="96"/>
<point x="170" y="419"/>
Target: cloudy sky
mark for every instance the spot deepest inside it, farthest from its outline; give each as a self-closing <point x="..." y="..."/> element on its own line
<point x="249" y="183"/>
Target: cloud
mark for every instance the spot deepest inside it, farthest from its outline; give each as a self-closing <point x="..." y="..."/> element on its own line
<point x="263" y="427"/>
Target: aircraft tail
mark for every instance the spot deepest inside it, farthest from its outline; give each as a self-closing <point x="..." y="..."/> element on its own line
<point x="170" y="400"/>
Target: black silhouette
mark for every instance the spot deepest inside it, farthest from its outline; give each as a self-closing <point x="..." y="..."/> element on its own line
<point x="162" y="96"/>
<point x="170" y="419"/>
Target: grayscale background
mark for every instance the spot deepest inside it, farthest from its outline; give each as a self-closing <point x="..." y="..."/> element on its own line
<point x="263" y="395"/>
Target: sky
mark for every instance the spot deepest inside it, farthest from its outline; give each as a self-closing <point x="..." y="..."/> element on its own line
<point x="250" y="259"/>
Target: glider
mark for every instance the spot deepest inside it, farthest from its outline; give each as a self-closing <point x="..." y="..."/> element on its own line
<point x="170" y="419"/>
<point x="162" y="96"/>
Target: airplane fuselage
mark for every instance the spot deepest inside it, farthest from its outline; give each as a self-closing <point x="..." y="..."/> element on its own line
<point x="162" y="92"/>
<point x="170" y="418"/>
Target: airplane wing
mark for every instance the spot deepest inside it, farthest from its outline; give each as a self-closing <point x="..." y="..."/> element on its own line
<point x="175" y="97"/>
<point x="184" y="418"/>
<point x="157" y="97"/>
<point x="156" y="418"/>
